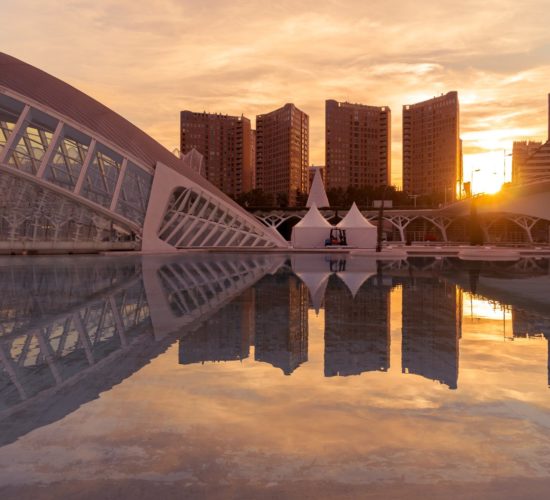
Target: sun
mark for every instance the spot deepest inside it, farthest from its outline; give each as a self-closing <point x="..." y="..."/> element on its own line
<point x="487" y="172"/>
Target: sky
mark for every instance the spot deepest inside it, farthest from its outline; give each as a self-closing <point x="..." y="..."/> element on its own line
<point x="149" y="60"/>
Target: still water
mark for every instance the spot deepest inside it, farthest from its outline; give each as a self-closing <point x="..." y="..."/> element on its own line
<point x="268" y="376"/>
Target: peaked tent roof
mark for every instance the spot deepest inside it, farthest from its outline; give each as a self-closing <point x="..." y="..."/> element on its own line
<point x="354" y="280"/>
<point x="317" y="193"/>
<point x="354" y="219"/>
<point x="317" y="285"/>
<point x="313" y="218"/>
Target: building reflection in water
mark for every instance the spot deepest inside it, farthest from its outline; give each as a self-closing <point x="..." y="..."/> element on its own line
<point x="527" y="324"/>
<point x="281" y="322"/>
<point x="357" y="326"/>
<point x="432" y="325"/>
<point x="72" y="330"/>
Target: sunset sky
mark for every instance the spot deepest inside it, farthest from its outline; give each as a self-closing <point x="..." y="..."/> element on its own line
<point x="149" y="60"/>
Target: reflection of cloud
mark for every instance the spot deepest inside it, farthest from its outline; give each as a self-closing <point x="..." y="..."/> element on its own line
<point x="148" y="62"/>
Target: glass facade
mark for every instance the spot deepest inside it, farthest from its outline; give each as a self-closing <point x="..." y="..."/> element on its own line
<point x="62" y="155"/>
<point x="66" y="163"/>
<point x="134" y="193"/>
<point x="102" y="176"/>
<point x="32" y="142"/>
<point x="10" y="109"/>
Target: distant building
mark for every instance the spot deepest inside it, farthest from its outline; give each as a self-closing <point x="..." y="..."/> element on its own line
<point x="521" y="152"/>
<point x="281" y="335"/>
<point x="358" y="145"/>
<point x="253" y="158"/>
<point x="282" y="153"/>
<point x="432" y="163"/>
<point x="225" y="143"/>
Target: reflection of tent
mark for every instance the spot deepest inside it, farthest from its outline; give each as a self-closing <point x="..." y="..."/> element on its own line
<point x="317" y="193"/>
<point x="360" y="233"/>
<point x="314" y="272"/>
<point x="354" y="280"/>
<point x="311" y="231"/>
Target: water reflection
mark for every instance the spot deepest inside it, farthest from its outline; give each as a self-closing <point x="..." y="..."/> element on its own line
<point x="72" y="328"/>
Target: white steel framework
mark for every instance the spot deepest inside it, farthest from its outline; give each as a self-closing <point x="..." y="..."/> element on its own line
<point x="65" y="156"/>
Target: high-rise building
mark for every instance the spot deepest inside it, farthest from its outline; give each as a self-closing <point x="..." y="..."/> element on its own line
<point x="282" y="153"/>
<point x="253" y="158"/>
<point x="225" y="143"/>
<point x="521" y="152"/>
<point x="358" y="145"/>
<point x="431" y="147"/>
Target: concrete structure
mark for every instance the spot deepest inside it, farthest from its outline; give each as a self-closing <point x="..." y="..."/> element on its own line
<point x="358" y="145"/>
<point x="516" y="215"/>
<point x="282" y="153"/>
<point x="77" y="177"/>
<point x="431" y="148"/>
<point x="226" y="144"/>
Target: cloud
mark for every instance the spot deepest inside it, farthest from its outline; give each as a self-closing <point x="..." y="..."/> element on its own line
<point x="150" y="60"/>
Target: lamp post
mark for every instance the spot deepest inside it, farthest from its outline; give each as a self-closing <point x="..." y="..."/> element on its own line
<point x="380" y="221"/>
<point x="472" y="180"/>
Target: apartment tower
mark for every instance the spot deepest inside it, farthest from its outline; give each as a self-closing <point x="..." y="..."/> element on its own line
<point x="226" y="144"/>
<point x="531" y="159"/>
<point x="358" y="145"/>
<point x="432" y="163"/>
<point x="282" y="153"/>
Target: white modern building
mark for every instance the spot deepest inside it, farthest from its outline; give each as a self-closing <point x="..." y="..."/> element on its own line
<point x="77" y="177"/>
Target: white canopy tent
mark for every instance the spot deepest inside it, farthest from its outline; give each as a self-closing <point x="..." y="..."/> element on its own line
<point x="317" y="193"/>
<point x="311" y="231"/>
<point x="360" y="233"/>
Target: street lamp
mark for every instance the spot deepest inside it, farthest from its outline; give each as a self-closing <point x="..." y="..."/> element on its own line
<point x="472" y="180"/>
<point x="380" y="221"/>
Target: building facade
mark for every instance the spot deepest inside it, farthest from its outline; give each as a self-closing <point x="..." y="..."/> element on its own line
<point x="358" y="145"/>
<point x="226" y="144"/>
<point x="521" y="152"/>
<point x="432" y="162"/>
<point x="282" y="154"/>
<point x="77" y="177"/>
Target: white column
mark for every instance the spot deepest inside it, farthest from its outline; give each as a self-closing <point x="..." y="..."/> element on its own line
<point x="119" y="182"/>
<point x="50" y="151"/>
<point x="84" y="170"/>
<point x="15" y="133"/>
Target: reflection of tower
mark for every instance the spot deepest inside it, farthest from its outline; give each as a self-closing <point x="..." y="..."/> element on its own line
<point x="281" y="321"/>
<point x="529" y="324"/>
<point x="224" y="337"/>
<point x="357" y="329"/>
<point x="432" y="323"/>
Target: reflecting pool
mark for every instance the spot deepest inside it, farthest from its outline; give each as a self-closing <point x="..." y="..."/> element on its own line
<point x="267" y="375"/>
